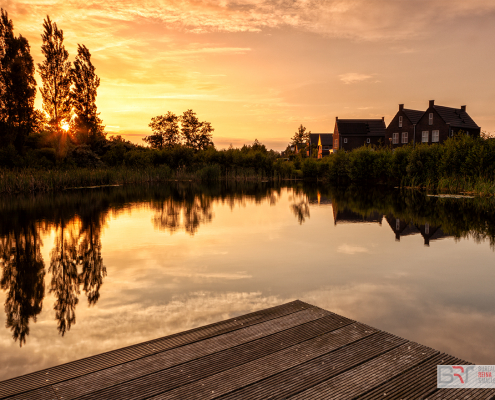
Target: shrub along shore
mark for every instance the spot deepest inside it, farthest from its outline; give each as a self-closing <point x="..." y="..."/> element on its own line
<point x="461" y="164"/>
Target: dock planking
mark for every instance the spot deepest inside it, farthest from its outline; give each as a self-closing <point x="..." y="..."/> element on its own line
<point x="292" y="351"/>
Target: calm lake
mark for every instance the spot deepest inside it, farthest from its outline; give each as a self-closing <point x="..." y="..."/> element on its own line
<point x="91" y="270"/>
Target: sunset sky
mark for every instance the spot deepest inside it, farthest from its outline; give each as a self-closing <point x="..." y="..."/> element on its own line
<point x="259" y="68"/>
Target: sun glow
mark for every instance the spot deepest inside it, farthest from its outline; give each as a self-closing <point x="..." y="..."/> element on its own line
<point x="65" y="126"/>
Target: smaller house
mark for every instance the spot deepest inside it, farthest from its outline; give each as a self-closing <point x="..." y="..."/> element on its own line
<point x="323" y="142"/>
<point x="350" y="134"/>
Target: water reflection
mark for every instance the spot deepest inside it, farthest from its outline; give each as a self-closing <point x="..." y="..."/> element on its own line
<point x="78" y="219"/>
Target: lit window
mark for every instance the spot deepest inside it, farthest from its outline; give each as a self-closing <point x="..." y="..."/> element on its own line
<point x="395" y="138"/>
<point x="404" y="137"/>
<point x="425" y="136"/>
<point x="400" y="122"/>
<point x="435" y="136"/>
<point x="368" y="140"/>
<point x="430" y="119"/>
<point x="345" y="140"/>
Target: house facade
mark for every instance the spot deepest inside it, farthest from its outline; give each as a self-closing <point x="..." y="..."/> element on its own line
<point x="402" y="129"/>
<point x="435" y="125"/>
<point x="350" y="134"/>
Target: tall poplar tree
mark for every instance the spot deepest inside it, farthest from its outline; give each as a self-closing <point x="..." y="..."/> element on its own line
<point x="55" y="72"/>
<point x="17" y="85"/>
<point x="87" y="126"/>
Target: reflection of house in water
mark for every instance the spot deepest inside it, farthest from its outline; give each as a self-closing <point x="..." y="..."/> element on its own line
<point x="319" y="199"/>
<point x="404" y="228"/>
<point x="347" y="216"/>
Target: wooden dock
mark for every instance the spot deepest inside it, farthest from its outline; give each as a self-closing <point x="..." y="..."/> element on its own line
<point x="295" y="351"/>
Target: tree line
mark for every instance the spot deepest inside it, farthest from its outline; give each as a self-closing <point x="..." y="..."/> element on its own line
<point x="68" y="91"/>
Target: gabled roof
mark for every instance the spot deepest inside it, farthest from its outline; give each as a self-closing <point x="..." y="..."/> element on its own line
<point x="413" y="115"/>
<point x="326" y="138"/>
<point x="369" y="127"/>
<point x="456" y="117"/>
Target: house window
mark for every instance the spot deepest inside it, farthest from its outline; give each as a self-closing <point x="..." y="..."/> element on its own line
<point x="430" y="119"/>
<point x="368" y="140"/>
<point x="325" y="147"/>
<point x="404" y="137"/>
<point x="400" y="122"/>
<point x="397" y="224"/>
<point x="425" y="136"/>
<point x="336" y="144"/>
<point x="345" y="140"/>
<point x="435" y="136"/>
<point x="395" y="138"/>
<point x="427" y="229"/>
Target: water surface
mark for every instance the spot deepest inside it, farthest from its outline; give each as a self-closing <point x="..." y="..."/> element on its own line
<point x="87" y="271"/>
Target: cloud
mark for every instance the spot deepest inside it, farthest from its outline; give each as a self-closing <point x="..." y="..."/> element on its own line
<point x="349" y="249"/>
<point x="353" y="77"/>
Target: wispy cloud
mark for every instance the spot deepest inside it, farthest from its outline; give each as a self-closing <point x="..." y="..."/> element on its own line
<point x="353" y="77"/>
<point x="350" y="249"/>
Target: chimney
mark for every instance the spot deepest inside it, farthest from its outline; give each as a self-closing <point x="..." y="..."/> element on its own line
<point x="401" y="107"/>
<point x="463" y="108"/>
<point x="383" y="118"/>
<point x="432" y="103"/>
<point x="336" y="118"/>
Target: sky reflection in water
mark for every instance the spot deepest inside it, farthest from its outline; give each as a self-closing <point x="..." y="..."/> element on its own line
<point x="87" y="272"/>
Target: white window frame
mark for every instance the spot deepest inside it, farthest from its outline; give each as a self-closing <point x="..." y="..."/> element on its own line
<point x="345" y="140"/>
<point x="435" y="135"/>
<point x="423" y="136"/>
<point x="400" y="122"/>
<point x="368" y="141"/>
<point x="430" y="119"/>
<point x="405" y="137"/>
<point x="395" y="138"/>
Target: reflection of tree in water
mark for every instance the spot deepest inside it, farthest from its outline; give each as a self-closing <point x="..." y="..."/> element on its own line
<point x="23" y="272"/>
<point x="76" y="260"/>
<point x="184" y="209"/>
<point x="300" y="205"/>
<point x="65" y="280"/>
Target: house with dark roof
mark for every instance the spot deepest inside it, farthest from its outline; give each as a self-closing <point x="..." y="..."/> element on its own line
<point x="350" y="134"/>
<point x="402" y="128"/>
<point x="435" y="125"/>
<point x="321" y="141"/>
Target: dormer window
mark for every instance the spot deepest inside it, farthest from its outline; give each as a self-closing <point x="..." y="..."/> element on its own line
<point x="400" y="122"/>
<point x="430" y="119"/>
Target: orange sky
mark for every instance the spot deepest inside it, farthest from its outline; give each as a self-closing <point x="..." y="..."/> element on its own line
<point x="259" y="68"/>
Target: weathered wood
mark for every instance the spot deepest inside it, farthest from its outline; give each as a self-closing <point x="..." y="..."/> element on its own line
<point x="101" y="361"/>
<point x="186" y="373"/>
<point x="295" y="351"/>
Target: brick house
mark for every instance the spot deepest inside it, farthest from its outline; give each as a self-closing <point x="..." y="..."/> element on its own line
<point x="435" y="125"/>
<point x="402" y="128"/>
<point x="350" y="134"/>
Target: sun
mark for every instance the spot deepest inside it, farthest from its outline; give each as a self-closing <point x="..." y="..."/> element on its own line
<point x="65" y="126"/>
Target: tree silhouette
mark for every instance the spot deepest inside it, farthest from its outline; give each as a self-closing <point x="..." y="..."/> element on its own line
<point x="166" y="131"/>
<point x="196" y="135"/>
<point x="86" y="125"/>
<point x="55" y="72"/>
<point x="301" y="136"/>
<point x="17" y="86"/>
<point x="23" y="273"/>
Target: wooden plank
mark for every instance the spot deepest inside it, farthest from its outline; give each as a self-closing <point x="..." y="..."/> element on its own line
<point x="313" y="372"/>
<point x="262" y="368"/>
<point x="186" y="373"/>
<point x="161" y="361"/>
<point x="44" y="393"/>
<point x="463" y="394"/>
<point x="417" y="383"/>
<point x="105" y="360"/>
<point x="364" y="377"/>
